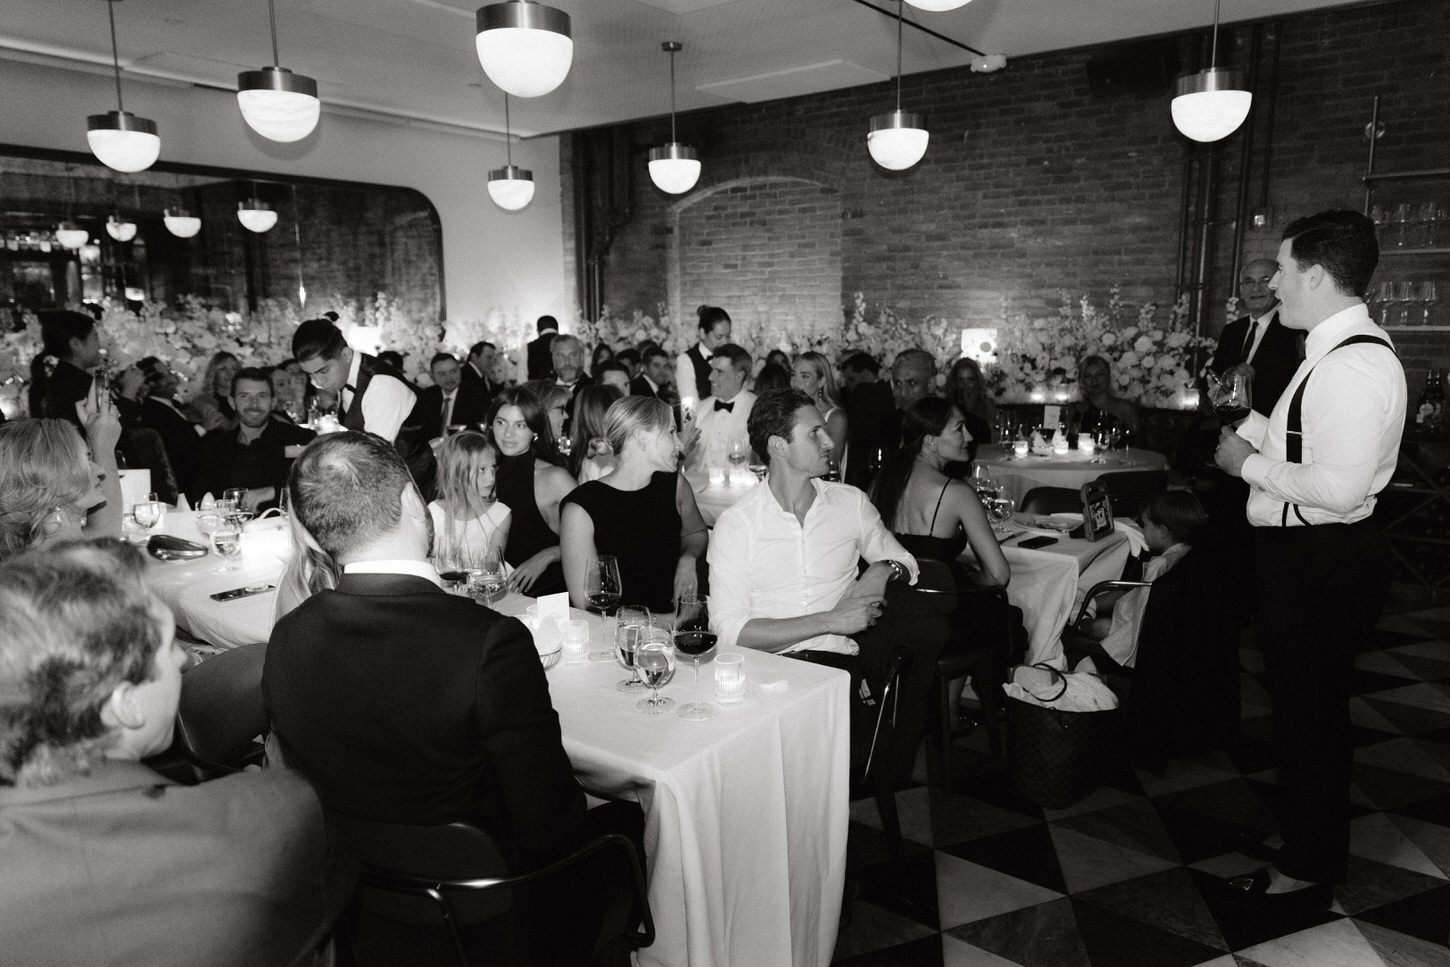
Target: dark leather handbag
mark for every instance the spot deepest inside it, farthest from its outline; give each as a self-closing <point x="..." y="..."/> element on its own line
<point x="1057" y="757"/>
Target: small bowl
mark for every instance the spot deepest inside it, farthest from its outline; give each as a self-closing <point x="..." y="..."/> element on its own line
<point x="550" y="658"/>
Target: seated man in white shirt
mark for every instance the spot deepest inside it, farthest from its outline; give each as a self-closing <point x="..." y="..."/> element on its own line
<point x="720" y="417"/>
<point x="783" y="573"/>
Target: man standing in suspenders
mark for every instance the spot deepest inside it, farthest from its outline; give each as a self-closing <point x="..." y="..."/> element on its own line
<point x="1313" y="467"/>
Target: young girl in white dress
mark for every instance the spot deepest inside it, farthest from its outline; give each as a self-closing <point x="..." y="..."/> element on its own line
<point x="467" y="520"/>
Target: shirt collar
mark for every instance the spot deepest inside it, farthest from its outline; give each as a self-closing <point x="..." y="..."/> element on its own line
<point x="1328" y="333"/>
<point x="419" y="569"/>
<point x="355" y="368"/>
<point x="1266" y="316"/>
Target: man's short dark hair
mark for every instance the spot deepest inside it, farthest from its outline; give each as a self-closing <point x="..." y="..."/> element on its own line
<point x="546" y="323"/>
<point x="628" y="356"/>
<point x="254" y="373"/>
<point x="859" y="361"/>
<point x="653" y="351"/>
<point x="611" y="366"/>
<point x="317" y="337"/>
<point x="773" y="415"/>
<point x="738" y="356"/>
<point x="479" y="347"/>
<point x="1341" y="241"/>
<point x="347" y="490"/>
<point x="441" y="358"/>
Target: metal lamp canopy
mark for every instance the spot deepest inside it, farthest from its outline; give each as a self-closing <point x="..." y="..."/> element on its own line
<point x="526" y="48"/>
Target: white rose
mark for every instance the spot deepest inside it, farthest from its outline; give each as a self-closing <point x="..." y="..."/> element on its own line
<point x="1109" y="338"/>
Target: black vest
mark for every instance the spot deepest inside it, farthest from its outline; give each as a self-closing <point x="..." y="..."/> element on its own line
<point x="702" y="372"/>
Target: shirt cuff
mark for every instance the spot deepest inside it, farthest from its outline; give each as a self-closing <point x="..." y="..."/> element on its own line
<point x="1255" y="470"/>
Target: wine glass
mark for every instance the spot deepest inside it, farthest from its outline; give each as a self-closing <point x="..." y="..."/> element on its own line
<point x="631" y="624"/>
<point x="758" y="468"/>
<point x="1404" y="295"/>
<point x="1229" y="395"/>
<point x="737" y="451"/>
<point x="654" y="659"/>
<point x="602" y="589"/>
<point x="999" y="509"/>
<point x="1385" y="296"/>
<point x="695" y="640"/>
<point x="1402" y="219"/>
<point x="227" y="539"/>
<point x="1429" y="295"/>
<point x="149" y="513"/>
<point x="485" y="576"/>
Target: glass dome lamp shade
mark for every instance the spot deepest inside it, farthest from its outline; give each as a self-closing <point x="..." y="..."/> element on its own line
<point x="278" y="104"/>
<point x="674" y="167"/>
<point x="511" y="187"/>
<point x="526" y="48"/>
<point x="181" y="223"/>
<point x="256" y="216"/>
<point x="123" y="141"/>
<point x="897" y="140"/>
<point x="121" y="229"/>
<point x="1210" y="105"/>
<point x="937" y="6"/>
<point x="71" y="236"/>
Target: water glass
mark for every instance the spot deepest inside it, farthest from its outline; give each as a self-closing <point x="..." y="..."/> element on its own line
<point x="631" y="626"/>
<point x="149" y="514"/>
<point x="576" y="640"/>
<point x="730" y="678"/>
<point x="655" y="659"/>
<point x="227" y="540"/>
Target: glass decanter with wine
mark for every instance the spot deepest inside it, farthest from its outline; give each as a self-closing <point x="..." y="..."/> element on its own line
<point x="1230" y="395"/>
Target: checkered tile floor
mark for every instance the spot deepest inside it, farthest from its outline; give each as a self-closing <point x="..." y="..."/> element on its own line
<point x="989" y="879"/>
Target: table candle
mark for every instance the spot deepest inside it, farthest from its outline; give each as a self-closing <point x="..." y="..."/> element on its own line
<point x="1086" y="444"/>
<point x="1059" y="442"/>
<point x="1020" y="448"/>
<point x="717" y="476"/>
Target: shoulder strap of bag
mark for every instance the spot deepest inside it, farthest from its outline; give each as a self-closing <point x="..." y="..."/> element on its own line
<point x="1294" y="433"/>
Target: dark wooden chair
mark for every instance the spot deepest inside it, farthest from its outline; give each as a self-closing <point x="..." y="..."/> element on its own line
<point x="1130" y="490"/>
<point x="1051" y="500"/>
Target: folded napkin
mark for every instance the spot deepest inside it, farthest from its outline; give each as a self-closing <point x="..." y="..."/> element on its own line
<point x="1136" y="544"/>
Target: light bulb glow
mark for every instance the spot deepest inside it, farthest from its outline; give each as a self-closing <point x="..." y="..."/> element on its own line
<point x="897" y="140"/>
<point x="524" y="48"/>
<point x="674" y="168"/>
<point x="255" y="216"/>
<point x="71" y="235"/>
<point x="123" y="141"/>
<point x="181" y="223"/>
<point x="511" y="187"/>
<point x="122" y="230"/>
<point x="937" y="6"/>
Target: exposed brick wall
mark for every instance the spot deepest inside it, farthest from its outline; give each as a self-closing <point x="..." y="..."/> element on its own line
<point x="1032" y="182"/>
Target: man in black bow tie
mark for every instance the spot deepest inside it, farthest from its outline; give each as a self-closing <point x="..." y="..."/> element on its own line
<point x="721" y="416"/>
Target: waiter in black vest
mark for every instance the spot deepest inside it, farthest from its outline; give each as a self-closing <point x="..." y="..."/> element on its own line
<point x="692" y="367"/>
<point x="1313" y="467"/>
<point x="372" y="396"/>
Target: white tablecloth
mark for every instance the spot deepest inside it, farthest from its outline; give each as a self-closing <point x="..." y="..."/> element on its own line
<point x="745" y="813"/>
<point x="715" y="498"/>
<point x="1017" y="475"/>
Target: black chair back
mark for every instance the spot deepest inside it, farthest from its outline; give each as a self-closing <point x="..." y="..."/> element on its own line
<point x="1129" y="490"/>
<point x="221" y="711"/>
<point x="1051" y="500"/>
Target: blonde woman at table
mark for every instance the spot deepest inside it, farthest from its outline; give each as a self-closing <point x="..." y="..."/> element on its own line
<point x="587" y="429"/>
<point x="531" y="482"/>
<point x="1098" y="407"/>
<point x="213" y="399"/>
<point x="466" y="515"/>
<point x="813" y="375"/>
<point x="643" y="513"/>
<point x="53" y="486"/>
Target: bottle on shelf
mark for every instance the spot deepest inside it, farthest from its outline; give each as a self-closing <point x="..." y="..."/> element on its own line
<point x="1429" y="407"/>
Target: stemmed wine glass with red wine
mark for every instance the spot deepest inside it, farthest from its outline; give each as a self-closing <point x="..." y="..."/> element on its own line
<point x="602" y="590"/>
<point x="694" y="640"/>
<point x="1229" y="395"/>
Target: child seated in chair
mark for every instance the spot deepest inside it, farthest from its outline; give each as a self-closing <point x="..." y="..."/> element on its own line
<point x="1170" y="523"/>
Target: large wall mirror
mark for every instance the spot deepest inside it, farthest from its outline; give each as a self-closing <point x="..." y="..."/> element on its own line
<point x="73" y="232"/>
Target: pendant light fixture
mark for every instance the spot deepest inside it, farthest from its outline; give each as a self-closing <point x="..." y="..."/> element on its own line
<point x="120" y="139"/>
<point x="180" y="222"/>
<point x="897" y="139"/>
<point x="937" y="6"/>
<point x="673" y="167"/>
<point x="1211" y="104"/>
<point x="525" y="47"/>
<point x="510" y="187"/>
<point x="121" y="228"/>
<point x="68" y="233"/>
<point x="256" y="215"/>
<point x="276" y="103"/>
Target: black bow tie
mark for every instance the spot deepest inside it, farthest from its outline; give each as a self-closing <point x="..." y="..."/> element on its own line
<point x="727" y="407"/>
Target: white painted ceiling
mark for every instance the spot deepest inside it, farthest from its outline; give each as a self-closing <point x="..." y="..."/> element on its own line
<point x="415" y="58"/>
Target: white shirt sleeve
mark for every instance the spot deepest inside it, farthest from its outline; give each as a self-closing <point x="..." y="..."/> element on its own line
<point x="729" y="557"/>
<point x="879" y="544"/>
<point x="386" y="404"/>
<point x="685" y="377"/>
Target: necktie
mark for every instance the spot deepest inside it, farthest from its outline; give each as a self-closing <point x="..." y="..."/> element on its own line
<point x="727" y="407"/>
<point x="1249" y="342"/>
<point x="447" y="410"/>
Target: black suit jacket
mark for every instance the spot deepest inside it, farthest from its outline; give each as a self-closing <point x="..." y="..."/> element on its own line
<point x="872" y="423"/>
<point x="639" y="386"/>
<point x="405" y="704"/>
<point x="483" y="384"/>
<point x="470" y="407"/>
<point x="541" y="358"/>
<point x="226" y="463"/>
<point x="1280" y="352"/>
<point x="179" y="436"/>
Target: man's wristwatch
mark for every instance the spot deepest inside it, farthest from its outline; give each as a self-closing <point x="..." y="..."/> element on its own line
<point x="898" y="572"/>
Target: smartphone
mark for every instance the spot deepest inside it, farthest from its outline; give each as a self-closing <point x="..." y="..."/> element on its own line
<point x="246" y="592"/>
<point x="1031" y="542"/>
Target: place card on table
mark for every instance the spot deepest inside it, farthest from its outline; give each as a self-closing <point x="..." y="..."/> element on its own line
<point x="554" y="606"/>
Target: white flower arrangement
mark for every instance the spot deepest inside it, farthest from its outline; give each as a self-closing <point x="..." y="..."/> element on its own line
<point x="1152" y="362"/>
<point x="618" y="332"/>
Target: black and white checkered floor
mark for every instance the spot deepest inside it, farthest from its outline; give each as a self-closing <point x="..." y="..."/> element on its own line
<point x="989" y="879"/>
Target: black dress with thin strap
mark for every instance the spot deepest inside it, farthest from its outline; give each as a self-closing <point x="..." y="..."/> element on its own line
<point x="642" y="529"/>
<point x="946" y="549"/>
<point x="529" y="533"/>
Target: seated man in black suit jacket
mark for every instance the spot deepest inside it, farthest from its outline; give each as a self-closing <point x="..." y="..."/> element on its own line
<point x="161" y="412"/>
<point x="257" y="453"/>
<point x="405" y="704"/>
<point x="657" y="377"/>
<point x="451" y="400"/>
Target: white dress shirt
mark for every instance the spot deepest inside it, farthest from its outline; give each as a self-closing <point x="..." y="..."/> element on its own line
<point x="417" y="569"/>
<point x="386" y="402"/>
<point x="717" y="428"/>
<point x="685" y="374"/>
<point x="765" y="564"/>
<point x="1353" y="415"/>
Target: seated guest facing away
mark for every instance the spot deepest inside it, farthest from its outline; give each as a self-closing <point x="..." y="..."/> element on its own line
<point x="50" y="490"/>
<point x="870" y="418"/>
<point x="107" y="862"/>
<point x="467" y="520"/>
<point x="643" y="513"/>
<point x="403" y="703"/>
<point x="586" y="433"/>
<point x="783" y="572"/>
<point x="161" y="412"/>
<point x="257" y="452"/>
<point x="720" y="417"/>
<point x="531" y="482"/>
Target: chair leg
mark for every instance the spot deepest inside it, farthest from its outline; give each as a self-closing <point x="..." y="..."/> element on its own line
<point x="885" y="795"/>
<point x="944" y="730"/>
<point x="991" y="699"/>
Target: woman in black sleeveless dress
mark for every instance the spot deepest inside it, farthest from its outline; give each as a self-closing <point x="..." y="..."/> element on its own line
<point x="643" y="512"/>
<point x="531" y="483"/>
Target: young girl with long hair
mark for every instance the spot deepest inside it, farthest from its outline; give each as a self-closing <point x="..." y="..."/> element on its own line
<point x="467" y="518"/>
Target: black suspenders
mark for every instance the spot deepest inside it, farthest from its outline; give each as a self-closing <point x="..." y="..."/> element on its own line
<point x="1294" y="434"/>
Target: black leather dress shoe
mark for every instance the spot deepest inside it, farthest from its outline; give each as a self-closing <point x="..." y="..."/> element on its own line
<point x="1253" y="846"/>
<point x="1251" y="890"/>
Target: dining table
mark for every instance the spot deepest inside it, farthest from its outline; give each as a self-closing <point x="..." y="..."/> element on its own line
<point x="745" y="812"/>
<point x="1016" y="474"/>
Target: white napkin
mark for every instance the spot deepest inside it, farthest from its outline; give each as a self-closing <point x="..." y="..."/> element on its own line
<point x="1136" y="544"/>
